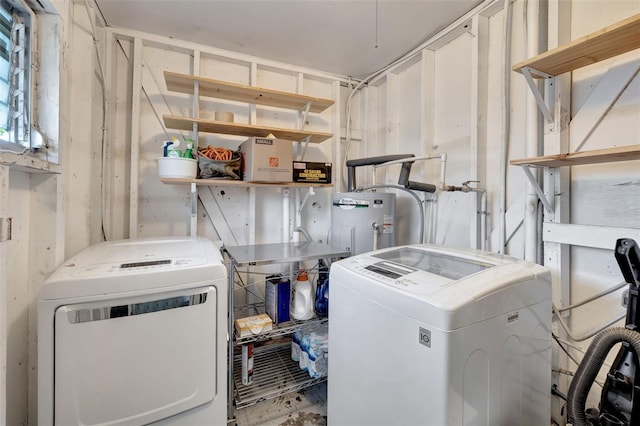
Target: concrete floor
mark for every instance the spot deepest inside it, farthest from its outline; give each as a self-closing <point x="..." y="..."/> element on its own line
<point x="305" y="408"/>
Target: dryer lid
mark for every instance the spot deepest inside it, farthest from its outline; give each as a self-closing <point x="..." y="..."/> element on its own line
<point x="130" y="265"/>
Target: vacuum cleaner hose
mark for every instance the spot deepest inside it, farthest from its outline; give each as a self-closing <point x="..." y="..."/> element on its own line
<point x="590" y="366"/>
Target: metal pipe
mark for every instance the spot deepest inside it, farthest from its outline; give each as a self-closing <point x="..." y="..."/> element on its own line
<point x="443" y="170"/>
<point x="433" y="218"/>
<point x="482" y="211"/>
<point x="531" y="11"/>
<point x="375" y="227"/>
<point x="506" y="120"/>
<point x="442" y="186"/>
<point x="304" y="232"/>
<point x="286" y="202"/>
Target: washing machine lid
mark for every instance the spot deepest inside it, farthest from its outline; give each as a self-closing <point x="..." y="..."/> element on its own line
<point x="405" y="260"/>
<point x="447" y="287"/>
<point x="132" y="265"/>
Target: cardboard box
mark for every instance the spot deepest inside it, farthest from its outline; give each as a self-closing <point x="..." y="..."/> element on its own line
<point x="250" y="326"/>
<point x="277" y="295"/>
<point x="309" y="172"/>
<point x="267" y="160"/>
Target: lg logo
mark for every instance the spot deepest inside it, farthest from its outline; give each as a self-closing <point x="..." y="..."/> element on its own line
<point x="424" y="337"/>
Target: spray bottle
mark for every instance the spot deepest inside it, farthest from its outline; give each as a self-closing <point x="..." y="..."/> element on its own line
<point x="174" y="149"/>
<point x="188" y="153"/>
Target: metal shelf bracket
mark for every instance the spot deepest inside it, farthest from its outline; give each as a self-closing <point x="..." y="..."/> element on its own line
<point x="305" y="199"/>
<point x="528" y="73"/>
<point x="547" y="203"/>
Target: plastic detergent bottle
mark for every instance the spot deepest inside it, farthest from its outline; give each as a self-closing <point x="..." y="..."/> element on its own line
<point x="322" y="291"/>
<point x="302" y="298"/>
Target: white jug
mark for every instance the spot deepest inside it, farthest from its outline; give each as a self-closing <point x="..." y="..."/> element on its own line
<point x="302" y="298"/>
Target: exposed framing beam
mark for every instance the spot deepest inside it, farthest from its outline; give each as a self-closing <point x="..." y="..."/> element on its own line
<point x="136" y="91"/>
<point x="478" y="116"/>
<point x="4" y="284"/>
<point x="601" y="237"/>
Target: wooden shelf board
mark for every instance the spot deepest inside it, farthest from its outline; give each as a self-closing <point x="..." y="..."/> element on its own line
<point x="242" y="183"/>
<point x="183" y="83"/>
<point x="237" y="129"/>
<point x="608" y="155"/>
<point x="610" y="41"/>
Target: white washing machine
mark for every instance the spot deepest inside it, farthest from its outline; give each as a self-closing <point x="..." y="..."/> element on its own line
<point x="428" y="335"/>
<point x="134" y="332"/>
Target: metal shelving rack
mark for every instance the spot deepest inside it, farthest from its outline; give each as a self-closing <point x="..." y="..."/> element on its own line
<point x="279" y="330"/>
<point x="275" y="373"/>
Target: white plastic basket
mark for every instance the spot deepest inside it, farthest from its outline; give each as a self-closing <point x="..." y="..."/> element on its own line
<point x="175" y="167"/>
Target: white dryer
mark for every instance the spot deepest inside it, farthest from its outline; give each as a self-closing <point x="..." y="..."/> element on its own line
<point x="428" y="335"/>
<point x="134" y="332"/>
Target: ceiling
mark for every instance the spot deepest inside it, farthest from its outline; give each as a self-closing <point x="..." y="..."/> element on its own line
<point x="345" y="37"/>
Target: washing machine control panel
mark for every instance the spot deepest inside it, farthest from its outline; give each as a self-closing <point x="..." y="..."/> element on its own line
<point x="137" y="266"/>
<point x="396" y="275"/>
<point x="388" y="269"/>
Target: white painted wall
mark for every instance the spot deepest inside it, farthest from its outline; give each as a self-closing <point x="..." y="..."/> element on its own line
<point x="606" y="195"/>
<point x="19" y="299"/>
<point x="424" y="106"/>
<point x="165" y="209"/>
<point x="31" y="193"/>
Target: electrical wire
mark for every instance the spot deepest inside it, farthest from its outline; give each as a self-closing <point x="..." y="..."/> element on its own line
<point x="571" y="357"/>
<point x="594" y="297"/>
<point x="376" y="45"/>
<point x="587" y="334"/>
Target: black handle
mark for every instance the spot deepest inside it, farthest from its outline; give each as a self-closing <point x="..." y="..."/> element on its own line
<point x="370" y="161"/>
<point x="628" y="257"/>
<point x="419" y="186"/>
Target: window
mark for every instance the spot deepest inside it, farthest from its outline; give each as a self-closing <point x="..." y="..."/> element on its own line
<point x="15" y="65"/>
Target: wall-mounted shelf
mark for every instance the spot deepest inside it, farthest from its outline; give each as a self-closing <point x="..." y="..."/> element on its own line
<point x="242" y="183"/>
<point x="608" y="155"/>
<point x="237" y="129"/>
<point x="610" y="41"/>
<point x="238" y="92"/>
<point x="200" y="87"/>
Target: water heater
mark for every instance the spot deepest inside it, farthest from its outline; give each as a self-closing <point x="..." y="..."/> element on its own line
<point x="363" y="221"/>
